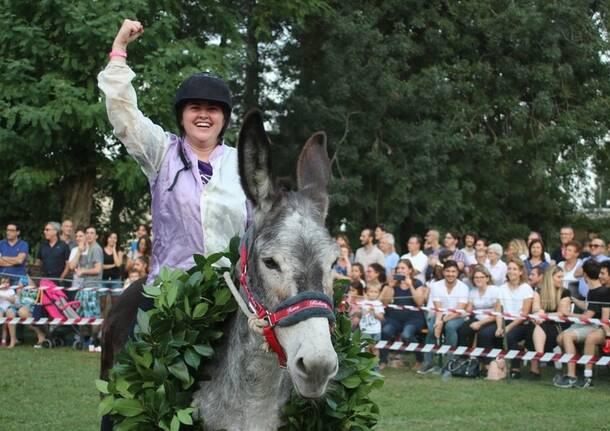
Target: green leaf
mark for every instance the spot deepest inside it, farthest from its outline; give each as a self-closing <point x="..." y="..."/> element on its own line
<point x="192" y="358"/>
<point x="200" y="310"/>
<point x="221" y="297"/>
<point x="172" y="294"/>
<point x="105" y="406"/>
<point x="204" y="350"/>
<point x="102" y="386"/>
<point x="127" y="408"/>
<point x="143" y="321"/>
<point x="179" y="370"/>
<point x="152" y="290"/>
<point x="184" y="416"/>
<point x="175" y="426"/>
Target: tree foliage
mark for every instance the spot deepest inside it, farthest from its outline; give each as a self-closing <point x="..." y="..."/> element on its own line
<point x="471" y="115"/>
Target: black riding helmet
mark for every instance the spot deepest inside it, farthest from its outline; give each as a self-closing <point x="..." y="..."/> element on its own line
<point x="204" y="86"/>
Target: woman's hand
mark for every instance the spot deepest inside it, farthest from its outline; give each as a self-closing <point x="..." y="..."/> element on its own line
<point x="500" y="332"/>
<point x="475" y="325"/>
<point x="129" y="31"/>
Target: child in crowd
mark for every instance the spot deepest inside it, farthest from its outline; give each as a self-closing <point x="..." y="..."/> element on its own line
<point x="7" y="299"/>
<point x="372" y="313"/>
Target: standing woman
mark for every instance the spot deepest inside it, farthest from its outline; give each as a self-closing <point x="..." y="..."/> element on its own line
<point x="198" y="203"/>
<point x="113" y="260"/>
<point x="516" y="297"/>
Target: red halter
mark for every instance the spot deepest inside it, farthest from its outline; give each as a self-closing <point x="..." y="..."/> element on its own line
<point x="287" y="313"/>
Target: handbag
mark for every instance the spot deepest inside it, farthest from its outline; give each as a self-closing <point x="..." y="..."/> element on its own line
<point x="463" y="367"/>
<point x="37" y="307"/>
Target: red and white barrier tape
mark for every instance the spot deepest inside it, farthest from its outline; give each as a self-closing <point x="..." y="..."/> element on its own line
<point x="563" y="358"/>
<point x="46" y="321"/>
<point x="75" y="288"/>
<point x="507" y="316"/>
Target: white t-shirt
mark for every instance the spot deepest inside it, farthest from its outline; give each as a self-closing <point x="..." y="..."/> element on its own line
<point x="369" y="324"/>
<point x="568" y="276"/>
<point x="457" y="296"/>
<point x="498" y="272"/>
<point x="485" y="302"/>
<point x="366" y="257"/>
<point x="5" y="294"/>
<point x="512" y="299"/>
<point x="419" y="262"/>
<point x="470" y="256"/>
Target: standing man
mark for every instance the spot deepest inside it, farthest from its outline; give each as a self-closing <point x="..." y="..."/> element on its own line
<point x="13" y="253"/>
<point x="597" y="248"/>
<point x="432" y="244"/>
<point x="67" y="233"/>
<point x="53" y="253"/>
<point x="417" y="257"/>
<point x="368" y="253"/>
<point x="566" y="234"/>
<point x="386" y="245"/>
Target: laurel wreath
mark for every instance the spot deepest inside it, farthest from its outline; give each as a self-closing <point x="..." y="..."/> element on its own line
<point x="152" y="382"/>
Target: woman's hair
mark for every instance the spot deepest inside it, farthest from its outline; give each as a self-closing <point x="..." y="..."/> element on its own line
<point x="349" y="249"/>
<point x="108" y="236"/>
<point x="521" y="266"/>
<point x="360" y="268"/>
<point x="529" y="248"/>
<point x="549" y="294"/>
<point x="519" y="245"/>
<point x="409" y="265"/>
<point x="379" y="270"/>
<point x="145" y="261"/>
<point x="480" y="268"/>
<point x="146" y="239"/>
<point x="496" y="248"/>
<point x="344" y="238"/>
<point x="360" y="283"/>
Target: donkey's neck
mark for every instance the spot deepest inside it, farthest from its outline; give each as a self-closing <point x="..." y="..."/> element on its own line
<point x="247" y="387"/>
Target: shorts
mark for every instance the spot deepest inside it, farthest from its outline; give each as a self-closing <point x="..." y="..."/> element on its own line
<point x="375" y="337"/>
<point x="580" y="331"/>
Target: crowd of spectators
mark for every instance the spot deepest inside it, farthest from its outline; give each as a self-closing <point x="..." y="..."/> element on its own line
<point x="449" y="293"/>
<point x="95" y="272"/>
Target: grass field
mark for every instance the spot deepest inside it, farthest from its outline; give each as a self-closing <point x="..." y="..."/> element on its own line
<point x="53" y="390"/>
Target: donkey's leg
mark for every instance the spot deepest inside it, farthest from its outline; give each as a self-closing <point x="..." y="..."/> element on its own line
<point x="119" y="323"/>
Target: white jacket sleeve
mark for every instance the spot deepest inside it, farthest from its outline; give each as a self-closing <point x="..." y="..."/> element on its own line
<point x="145" y="141"/>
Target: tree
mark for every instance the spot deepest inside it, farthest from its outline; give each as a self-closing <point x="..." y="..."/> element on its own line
<point x="467" y="115"/>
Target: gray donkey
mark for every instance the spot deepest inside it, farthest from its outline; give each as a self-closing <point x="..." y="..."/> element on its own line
<point x="291" y="252"/>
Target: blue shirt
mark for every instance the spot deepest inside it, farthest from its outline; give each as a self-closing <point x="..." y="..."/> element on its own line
<point x="583" y="289"/>
<point x="391" y="260"/>
<point x="7" y="250"/>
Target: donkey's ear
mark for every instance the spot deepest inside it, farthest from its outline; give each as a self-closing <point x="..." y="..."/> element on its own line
<point x="254" y="161"/>
<point x="313" y="171"/>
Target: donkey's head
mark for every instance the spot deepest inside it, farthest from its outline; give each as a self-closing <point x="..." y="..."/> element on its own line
<point x="291" y="250"/>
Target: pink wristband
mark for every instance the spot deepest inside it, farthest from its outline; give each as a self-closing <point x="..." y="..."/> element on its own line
<point x="117" y="53"/>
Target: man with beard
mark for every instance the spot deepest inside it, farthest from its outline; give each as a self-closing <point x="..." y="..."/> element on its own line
<point x="368" y="253"/>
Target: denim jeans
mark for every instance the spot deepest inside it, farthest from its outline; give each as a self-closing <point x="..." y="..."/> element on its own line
<point x="408" y="331"/>
<point x="450" y="331"/>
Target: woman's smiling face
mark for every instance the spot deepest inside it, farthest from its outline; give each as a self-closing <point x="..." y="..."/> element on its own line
<point x="202" y="121"/>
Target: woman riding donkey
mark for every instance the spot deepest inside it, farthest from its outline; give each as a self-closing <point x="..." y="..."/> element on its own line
<point x="198" y="203"/>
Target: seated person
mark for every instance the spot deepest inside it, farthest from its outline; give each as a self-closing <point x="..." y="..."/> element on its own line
<point x="448" y="293"/>
<point x="516" y="297"/>
<point x="7" y="299"/>
<point x="343" y="266"/>
<point x="484" y="297"/>
<point x="404" y="289"/>
<point x="551" y="298"/>
<point x="535" y="258"/>
<point x="604" y="273"/>
<point x="596" y="307"/>
<point x="134" y="275"/>
<point x="23" y="308"/>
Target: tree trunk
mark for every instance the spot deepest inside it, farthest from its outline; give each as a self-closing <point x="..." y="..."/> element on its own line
<point x="78" y="198"/>
<point x="251" y="87"/>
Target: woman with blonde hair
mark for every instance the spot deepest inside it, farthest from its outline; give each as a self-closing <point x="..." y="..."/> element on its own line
<point x="516" y="297"/>
<point x="550" y="299"/>
<point x="516" y="248"/>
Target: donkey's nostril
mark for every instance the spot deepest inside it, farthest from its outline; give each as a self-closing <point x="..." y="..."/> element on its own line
<point x="300" y="364"/>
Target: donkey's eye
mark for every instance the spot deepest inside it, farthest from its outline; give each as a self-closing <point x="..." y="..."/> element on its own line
<point x="271" y="264"/>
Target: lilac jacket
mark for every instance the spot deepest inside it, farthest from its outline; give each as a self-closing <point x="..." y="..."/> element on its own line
<point x="193" y="218"/>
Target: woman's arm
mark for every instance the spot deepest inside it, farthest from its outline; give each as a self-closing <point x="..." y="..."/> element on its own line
<point x="387" y="295"/>
<point x="145" y="141"/>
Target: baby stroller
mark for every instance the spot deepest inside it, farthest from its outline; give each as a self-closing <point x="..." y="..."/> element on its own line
<point x="56" y="306"/>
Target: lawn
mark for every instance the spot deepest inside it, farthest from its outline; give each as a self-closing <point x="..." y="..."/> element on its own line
<point x="53" y="390"/>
